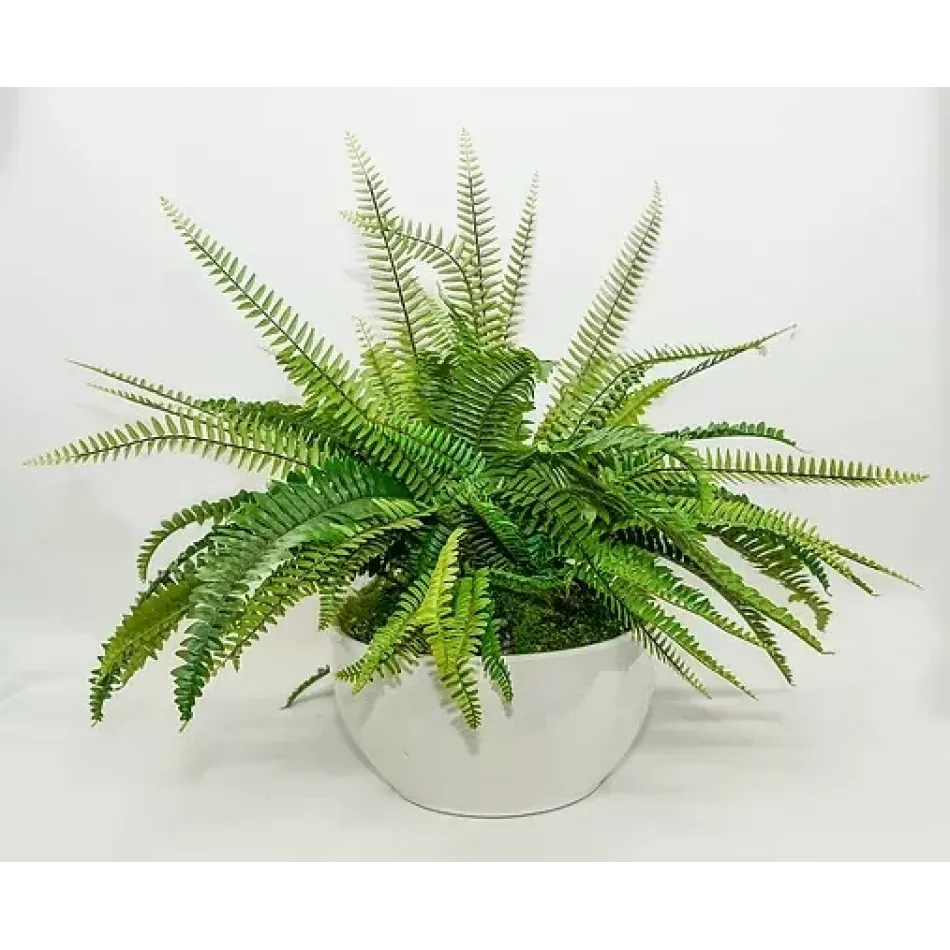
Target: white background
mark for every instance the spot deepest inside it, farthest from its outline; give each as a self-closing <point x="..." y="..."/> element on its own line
<point x="820" y="208"/>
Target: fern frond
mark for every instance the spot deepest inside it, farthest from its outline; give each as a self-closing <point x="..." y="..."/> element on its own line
<point x="494" y="665"/>
<point x="307" y="360"/>
<point x="489" y="395"/>
<point x="260" y="537"/>
<point x="558" y="511"/>
<point x="515" y="283"/>
<point x="162" y="397"/>
<point x="305" y="685"/>
<point x="255" y="448"/>
<point x="656" y="642"/>
<point x="741" y="513"/>
<point x="476" y="229"/>
<point x="660" y="620"/>
<point x="660" y="584"/>
<point x="633" y="408"/>
<point x="748" y="466"/>
<point x="506" y="535"/>
<point x="349" y="555"/>
<point x="758" y="624"/>
<point x="436" y="606"/>
<point x="676" y="353"/>
<point x="620" y="373"/>
<point x="381" y="371"/>
<point x="454" y="640"/>
<point x="426" y="603"/>
<point x="404" y="308"/>
<point x="146" y="627"/>
<point x="588" y="362"/>
<point x="201" y="513"/>
<point x="420" y="454"/>
<point x="656" y="542"/>
<point x="778" y="561"/>
<point x="327" y="568"/>
<point x="627" y="445"/>
<point x="732" y="430"/>
<point x="394" y="647"/>
<point x="712" y="568"/>
<point x="448" y="256"/>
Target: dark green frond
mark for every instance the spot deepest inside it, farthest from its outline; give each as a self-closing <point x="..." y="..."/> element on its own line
<point x="741" y="513"/>
<point x="327" y="568"/>
<point x="146" y="627"/>
<point x="201" y="513"/>
<point x="493" y="662"/>
<point x="779" y="561"/>
<point x="732" y="430"/>
<point x="298" y="691"/>
<point x="259" y="538"/>
<point x="489" y="395"/>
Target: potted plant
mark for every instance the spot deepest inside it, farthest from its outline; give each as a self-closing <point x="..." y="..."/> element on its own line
<point x="499" y="588"/>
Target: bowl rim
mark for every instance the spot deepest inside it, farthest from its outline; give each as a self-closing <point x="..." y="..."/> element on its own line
<point x="519" y="658"/>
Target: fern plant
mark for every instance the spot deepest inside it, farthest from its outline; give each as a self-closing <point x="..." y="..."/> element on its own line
<point x="419" y="467"/>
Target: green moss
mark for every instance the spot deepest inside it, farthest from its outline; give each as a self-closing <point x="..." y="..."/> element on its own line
<point x="528" y="623"/>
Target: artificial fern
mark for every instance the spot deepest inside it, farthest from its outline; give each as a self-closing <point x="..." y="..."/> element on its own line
<point x="420" y="468"/>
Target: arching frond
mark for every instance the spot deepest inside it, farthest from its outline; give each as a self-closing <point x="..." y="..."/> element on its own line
<point x="255" y="448"/>
<point x="732" y="430"/>
<point x="161" y="396"/>
<point x="395" y="647"/>
<point x="489" y="395"/>
<point x="702" y="353"/>
<point x="326" y="567"/>
<point x="300" y="689"/>
<point x="260" y="537"/>
<point x="493" y="662"/>
<point x="200" y="513"/>
<point x="621" y="373"/>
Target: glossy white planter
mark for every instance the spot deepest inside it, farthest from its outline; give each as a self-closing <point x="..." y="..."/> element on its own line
<point x="574" y="718"/>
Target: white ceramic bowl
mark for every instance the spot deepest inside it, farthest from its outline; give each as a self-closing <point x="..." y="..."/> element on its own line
<point x="574" y="717"/>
